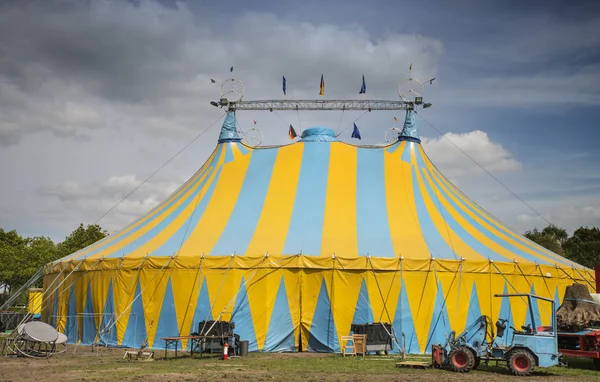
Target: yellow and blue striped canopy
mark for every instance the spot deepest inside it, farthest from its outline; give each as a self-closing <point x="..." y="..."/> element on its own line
<point x="320" y="197"/>
<point x="295" y="243"/>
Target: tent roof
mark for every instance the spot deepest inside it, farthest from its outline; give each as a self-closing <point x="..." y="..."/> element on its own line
<point x="320" y="197"/>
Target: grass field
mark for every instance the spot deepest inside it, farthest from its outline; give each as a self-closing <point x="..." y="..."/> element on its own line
<point x="107" y="364"/>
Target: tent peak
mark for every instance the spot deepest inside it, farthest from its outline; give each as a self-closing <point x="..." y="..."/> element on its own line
<point x="318" y="134"/>
<point x="228" y="130"/>
<point x="410" y="131"/>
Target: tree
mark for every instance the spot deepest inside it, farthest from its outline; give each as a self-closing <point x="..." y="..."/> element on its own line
<point x="584" y="246"/>
<point x="81" y="238"/>
<point x="551" y="238"/>
<point x="21" y="257"/>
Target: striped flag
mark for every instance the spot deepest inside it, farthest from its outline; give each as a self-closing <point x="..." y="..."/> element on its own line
<point x="322" y="87"/>
<point x="292" y="133"/>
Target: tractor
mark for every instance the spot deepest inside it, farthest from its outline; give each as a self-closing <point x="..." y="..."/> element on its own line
<point x="530" y="347"/>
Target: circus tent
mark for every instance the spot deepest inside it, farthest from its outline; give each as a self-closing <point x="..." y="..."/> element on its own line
<point x="295" y="243"/>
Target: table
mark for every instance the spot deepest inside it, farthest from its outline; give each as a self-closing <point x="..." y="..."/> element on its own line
<point x="195" y="342"/>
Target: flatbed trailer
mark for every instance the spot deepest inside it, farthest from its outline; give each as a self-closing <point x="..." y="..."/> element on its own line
<point x="581" y="344"/>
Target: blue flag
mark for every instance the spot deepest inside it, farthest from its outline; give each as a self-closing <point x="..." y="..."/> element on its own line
<point x="355" y="132"/>
<point x="363" y="88"/>
<point x="284" y="86"/>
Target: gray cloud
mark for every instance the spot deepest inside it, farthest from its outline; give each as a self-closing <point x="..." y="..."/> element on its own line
<point x="90" y="91"/>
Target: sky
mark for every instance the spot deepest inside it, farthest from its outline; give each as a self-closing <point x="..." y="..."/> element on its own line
<point x="96" y="96"/>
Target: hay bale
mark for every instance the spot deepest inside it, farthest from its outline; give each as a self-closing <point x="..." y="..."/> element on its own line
<point x="578" y="310"/>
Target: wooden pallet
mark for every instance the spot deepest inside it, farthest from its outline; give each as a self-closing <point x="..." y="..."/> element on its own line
<point x="414" y="364"/>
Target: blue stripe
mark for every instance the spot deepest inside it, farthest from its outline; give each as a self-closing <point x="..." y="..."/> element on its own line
<point x="490" y="235"/>
<point x="454" y="225"/>
<point x="243" y="149"/>
<point x="244" y="218"/>
<point x="484" y="215"/>
<point x="394" y="147"/>
<point x="145" y="238"/>
<point x="176" y="241"/>
<point x="435" y="242"/>
<point x="229" y="152"/>
<point x="161" y="208"/>
<point x="306" y="226"/>
<point x="406" y="152"/>
<point x="373" y="230"/>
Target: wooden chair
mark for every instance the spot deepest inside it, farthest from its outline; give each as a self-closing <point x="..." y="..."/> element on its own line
<point x="347" y="345"/>
<point x="360" y="344"/>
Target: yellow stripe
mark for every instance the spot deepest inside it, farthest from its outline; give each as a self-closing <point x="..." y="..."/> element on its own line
<point x="405" y="231"/>
<point x="475" y="233"/>
<point x="498" y="227"/>
<point x="170" y="230"/>
<point x="154" y="211"/>
<point x="456" y="244"/>
<point x="219" y="208"/>
<point x="153" y="244"/>
<point x="272" y="228"/>
<point x="339" y="224"/>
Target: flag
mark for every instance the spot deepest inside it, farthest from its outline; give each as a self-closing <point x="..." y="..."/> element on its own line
<point x="212" y="81"/>
<point x="355" y="132"/>
<point x="292" y="133"/>
<point x="284" y="85"/>
<point x="231" y="69"/>
<point x="255" y="122"/>
<point x="395" y="119"/>
<point x="410" y="67"/>
<point x="363" y="88"/>
<point x="322" y="87"/>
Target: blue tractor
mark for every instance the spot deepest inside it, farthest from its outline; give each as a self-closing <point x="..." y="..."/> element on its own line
<point x="530" y="347"/>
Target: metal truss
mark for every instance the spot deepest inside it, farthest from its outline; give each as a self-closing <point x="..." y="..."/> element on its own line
<point x="320" y="105"/>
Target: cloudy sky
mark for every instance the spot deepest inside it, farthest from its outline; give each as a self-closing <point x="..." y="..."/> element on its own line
<point x="95" y="96"/>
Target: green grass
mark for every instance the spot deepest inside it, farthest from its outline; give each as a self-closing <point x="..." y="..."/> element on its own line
<point x="109" y="365"/>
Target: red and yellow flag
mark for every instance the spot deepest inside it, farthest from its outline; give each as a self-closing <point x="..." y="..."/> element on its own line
<point x="322" y="87"/>
<point x="292" y="133"/>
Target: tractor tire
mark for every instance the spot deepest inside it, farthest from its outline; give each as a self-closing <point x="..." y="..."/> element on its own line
<point x="461" y="359"/>
<point x="520" y="362"/>
<point x="596" y="363"/>
<point x="477" y="362"/>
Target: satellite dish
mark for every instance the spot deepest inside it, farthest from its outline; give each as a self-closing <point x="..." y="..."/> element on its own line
<point x="232" y="90"/>
<point x="254" y="137"/>
<point x="410" y="88"/>
<point x="392" y="135"/>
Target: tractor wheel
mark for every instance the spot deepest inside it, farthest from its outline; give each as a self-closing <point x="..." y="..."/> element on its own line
<point x="461" y="359"/>
<point x="477" y="362"/>
<point x="520" y="362"/>
<point x="596" y="363"/>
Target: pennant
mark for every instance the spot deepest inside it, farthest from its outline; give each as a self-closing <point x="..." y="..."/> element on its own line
<point x="363" y="88"/>
<point x="395" y="119"/>
<point x="255" y="122"/>
<point x="213" y="81"/>
<point x="231" y="69"/>
<point x="322" y="87"/>
<point x="284" y="86"/>
<point x="355" y="132"/>
<point x="292" y="133"/>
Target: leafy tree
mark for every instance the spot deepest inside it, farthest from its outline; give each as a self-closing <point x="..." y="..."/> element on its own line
<point x="81" y="238"/>
<point x="21" y="257"/>
<point x="550" y="238"/>
<point x="584" y="246"/>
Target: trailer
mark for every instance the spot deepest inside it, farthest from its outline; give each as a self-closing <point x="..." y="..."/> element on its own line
<point x="581" y="344"/>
